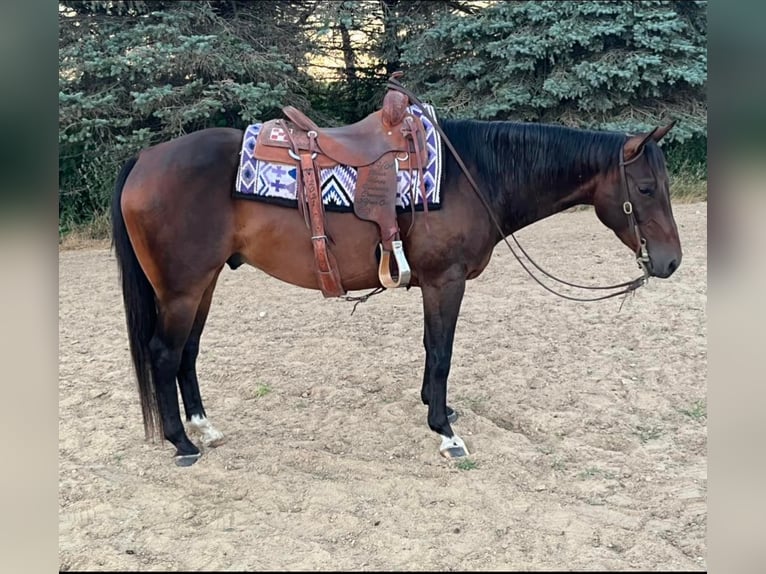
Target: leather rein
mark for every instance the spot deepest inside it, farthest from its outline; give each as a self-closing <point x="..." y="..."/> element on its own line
<point x="642" y="255"/>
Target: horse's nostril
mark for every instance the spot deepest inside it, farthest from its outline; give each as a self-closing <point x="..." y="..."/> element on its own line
<point x="672" y="266"/>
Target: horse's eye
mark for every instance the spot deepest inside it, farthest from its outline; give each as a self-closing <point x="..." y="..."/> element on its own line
<point x="646" y="191"/>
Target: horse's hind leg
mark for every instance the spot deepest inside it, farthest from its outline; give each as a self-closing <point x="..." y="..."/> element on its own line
<point x="174" y="323"/>
<point x="188" y="383"/>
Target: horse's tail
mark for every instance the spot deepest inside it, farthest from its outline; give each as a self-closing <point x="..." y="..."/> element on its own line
<point x="140" y="308"/>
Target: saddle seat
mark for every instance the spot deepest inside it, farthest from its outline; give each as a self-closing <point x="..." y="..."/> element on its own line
<point x="356" y="145"/>
<point x="365" y="141"/>
<point x="386" y="140"/>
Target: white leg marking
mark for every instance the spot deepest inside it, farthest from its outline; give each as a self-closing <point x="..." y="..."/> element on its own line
<point x="454" y="442"/>
<point x="211" y="436"/>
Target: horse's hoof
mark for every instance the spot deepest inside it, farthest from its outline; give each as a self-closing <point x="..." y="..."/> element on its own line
<point x="451" y="415"/>
<point x="187" y="459"/>
<point x="453" y="447"/>
<point x="455" y="452"/>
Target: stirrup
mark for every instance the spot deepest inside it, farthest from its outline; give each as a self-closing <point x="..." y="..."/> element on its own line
<point x="384" y="269"/>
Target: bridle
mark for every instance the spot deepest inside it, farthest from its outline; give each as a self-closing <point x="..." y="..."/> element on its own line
<point x="642" y="254"/>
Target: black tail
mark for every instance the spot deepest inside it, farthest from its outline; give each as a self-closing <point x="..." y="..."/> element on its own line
<point x="140" y="308"/>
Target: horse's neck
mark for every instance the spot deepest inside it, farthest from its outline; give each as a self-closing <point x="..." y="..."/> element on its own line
<point x="529" y="177"/>
<point x="525" y="205"/>
<point x="537" y="194"/>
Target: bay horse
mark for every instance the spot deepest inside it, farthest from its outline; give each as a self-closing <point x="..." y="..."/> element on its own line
<point x="176" y="224"/>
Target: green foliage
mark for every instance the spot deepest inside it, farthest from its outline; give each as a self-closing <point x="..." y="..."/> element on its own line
<point x="138" y="72"/>
<point x="339" y="103"/>
<point x="467" y="464"/>
<point x="624" y="66"/>
<point x="687" y="166"/>
<point x="648" y="433"/>
<point x="261" y="391"/>
<point x="697" y="411"/>
<point x="135" y="77"/>
<point x="688" y="156"/>
<point x="367" y="37"/>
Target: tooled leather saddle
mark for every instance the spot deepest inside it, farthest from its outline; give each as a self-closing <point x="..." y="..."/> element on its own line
<point x="388" y="139"/>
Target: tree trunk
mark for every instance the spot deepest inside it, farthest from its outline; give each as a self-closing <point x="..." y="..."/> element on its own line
<point x="390" y="48"/>
<point x="349" y="58"/>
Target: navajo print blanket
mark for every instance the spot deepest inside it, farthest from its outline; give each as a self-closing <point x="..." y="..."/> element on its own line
<point x="276" y="183"/>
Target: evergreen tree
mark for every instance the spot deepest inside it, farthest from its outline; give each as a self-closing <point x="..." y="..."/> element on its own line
<point x="136" y="73"/>
<point x="612" y="65"/>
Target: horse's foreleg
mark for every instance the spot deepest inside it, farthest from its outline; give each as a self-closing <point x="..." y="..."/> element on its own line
<point x="174" y="324"/>
<point x="425" y="392"/>
<point x="188" y="383"/>
<point x="441" y="306"/>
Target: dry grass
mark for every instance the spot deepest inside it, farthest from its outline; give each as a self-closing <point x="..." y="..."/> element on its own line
<point x="93" y="235"/>
<point x="686" y="188"/>
<point x="75" y="241"/>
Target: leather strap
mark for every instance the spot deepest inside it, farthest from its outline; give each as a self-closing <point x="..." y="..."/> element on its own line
<point x="415" y="130"/>
<point x="326" y="265"/>
<point x="299" y="189"/>
<point x="300" y="119"/>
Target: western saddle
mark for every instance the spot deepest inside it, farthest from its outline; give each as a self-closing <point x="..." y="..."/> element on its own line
<point x="375" y="147"/>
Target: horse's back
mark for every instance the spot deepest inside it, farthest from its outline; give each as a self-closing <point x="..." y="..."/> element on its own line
<point x="177" y="167"/>
<point x="197" y="150"/>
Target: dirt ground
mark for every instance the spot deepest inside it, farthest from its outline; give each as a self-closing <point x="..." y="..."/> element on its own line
<point x="586" y="424"/>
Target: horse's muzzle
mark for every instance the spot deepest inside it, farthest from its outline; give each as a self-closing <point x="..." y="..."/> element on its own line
<point x="663" y="266"/>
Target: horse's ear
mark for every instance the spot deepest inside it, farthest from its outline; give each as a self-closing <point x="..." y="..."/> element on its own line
<point x="635" y="144"/>
<point x="660" y="133"/>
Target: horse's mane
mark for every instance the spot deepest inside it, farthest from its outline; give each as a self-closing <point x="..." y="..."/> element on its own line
<point x="524" y="157"/>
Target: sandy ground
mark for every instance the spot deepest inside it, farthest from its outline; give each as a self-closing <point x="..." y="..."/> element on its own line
<point x="586" y="424"/>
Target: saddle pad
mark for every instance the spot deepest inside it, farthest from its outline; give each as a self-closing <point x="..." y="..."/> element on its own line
<point x="276" y="183"/>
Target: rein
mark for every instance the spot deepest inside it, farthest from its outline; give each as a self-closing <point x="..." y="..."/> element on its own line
<point x="642" y="255"/>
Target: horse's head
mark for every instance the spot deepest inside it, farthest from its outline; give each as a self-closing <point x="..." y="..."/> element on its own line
<point x="634" y="202"/>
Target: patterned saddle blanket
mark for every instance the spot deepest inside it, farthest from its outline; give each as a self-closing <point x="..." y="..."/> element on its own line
<point x="276" y="183"/>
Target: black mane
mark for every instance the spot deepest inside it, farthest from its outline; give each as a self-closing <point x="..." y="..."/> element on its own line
<point x="516" y="157"/>
<point x="525" y="168"/>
